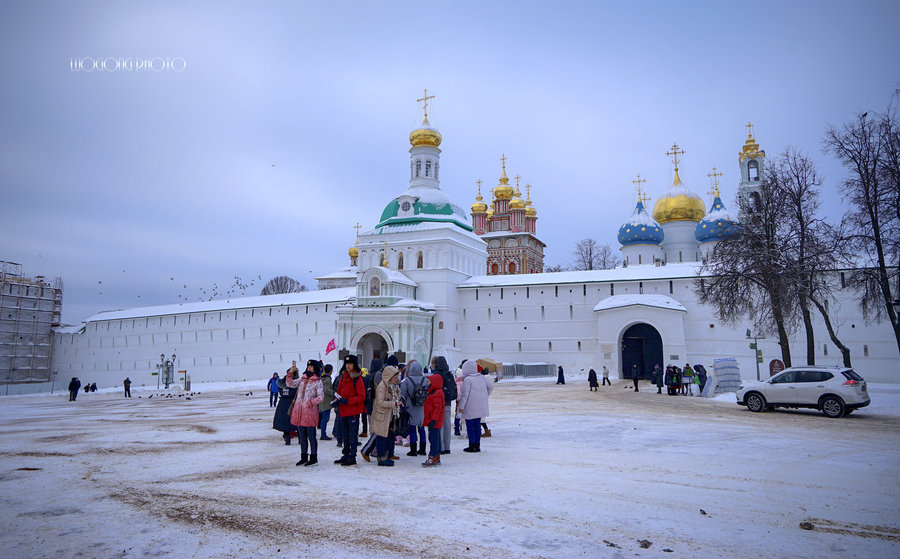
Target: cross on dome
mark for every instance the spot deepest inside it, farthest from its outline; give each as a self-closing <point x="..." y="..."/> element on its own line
<point x="675" y="152"/>
<point x="715" y="179"/>
<point x="639" y="181"/>
<point x="749" y="127"/>
<point x="425" y="99"/>
<point x="357" y="227"/>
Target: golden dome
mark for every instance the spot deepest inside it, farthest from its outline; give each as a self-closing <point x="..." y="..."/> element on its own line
<point x="425" y="136"/>
<point x="530" y="210"/>
<point x="353" y="252"/>
<point x="490" y="213"/>
<point x="517" y="203"/>
<point x="679" y="204"/>
<point x="503" y="191"/>
<point x="479" y="206"/>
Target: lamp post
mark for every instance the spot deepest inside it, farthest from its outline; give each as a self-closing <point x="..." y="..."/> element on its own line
<point x="757" y="353"/>
<point x="165" y="367"/>
<point x="52" y="384"/>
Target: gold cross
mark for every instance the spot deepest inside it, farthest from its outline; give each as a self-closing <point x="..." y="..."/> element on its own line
<point x="503" y="161"/>
<point x="357" y="227"/>
<point x="479" y="187"/>
<point x="517" y="185"/>
<point x="715" y="177"/>
<point x="675" y="153"/>
<point x="425" y="98"/>
<point x="528" y="191"/>
<point x="749" y="128"/>
<point x="639" y="181"/>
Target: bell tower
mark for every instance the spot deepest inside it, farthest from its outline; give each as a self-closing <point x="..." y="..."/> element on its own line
<point x="752" y="162"/>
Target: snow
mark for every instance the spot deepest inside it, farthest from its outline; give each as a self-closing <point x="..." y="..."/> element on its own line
<point x="641" y="217"/>
<point x="233" y="303"/>
<point x="566" y="471"/>
<point x="412" y="303"/>
<point x="648" y="300"/>
<point x="631" y="273"/>
<point x="343" y="273"/>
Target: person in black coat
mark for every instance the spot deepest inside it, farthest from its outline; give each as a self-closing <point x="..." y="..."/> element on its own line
<point x="560" y="376"/>
<point x="700" y="371"/>
<point x="74" y="386"/>
<point x="282" y="420"/>
<point x="127" y="384"/>
<point x="592" y="380"/>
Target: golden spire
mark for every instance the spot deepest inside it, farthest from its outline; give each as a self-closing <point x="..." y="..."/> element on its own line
<point x="529" y="209"/>
<point x="639" y="181"/>
<point x="479" y="206"/>
<point x="384" y="258"/>
<point x="749" y="127"/>
<point x="503" y="191"/>
<point x="425" y="99"/>
<point x="503" y="178"/>
<point x="675" y="152"/>
<point x="479" y="190"/>
<point x="715" y="178"/>
<point x="357" y="227"/>
<point x="354" y="252"/>
<point x="516" y="203"/>
<point x="751" y="147"/>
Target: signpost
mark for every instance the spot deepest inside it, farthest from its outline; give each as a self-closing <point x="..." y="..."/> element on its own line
<point x="755" y="346"/>
<point x="775" y="367"/>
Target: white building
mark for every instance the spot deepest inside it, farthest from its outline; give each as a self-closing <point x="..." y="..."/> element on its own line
<point x="417" y="285"/>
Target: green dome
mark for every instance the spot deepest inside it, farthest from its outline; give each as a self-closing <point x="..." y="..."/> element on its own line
<point x="429" y="204"/>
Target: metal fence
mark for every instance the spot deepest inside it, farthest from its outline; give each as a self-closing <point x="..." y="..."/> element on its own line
<point x="528" y="370"/>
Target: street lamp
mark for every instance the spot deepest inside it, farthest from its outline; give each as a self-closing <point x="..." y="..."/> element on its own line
<point x="757" y="353"/>
<point x="165" y="367"/>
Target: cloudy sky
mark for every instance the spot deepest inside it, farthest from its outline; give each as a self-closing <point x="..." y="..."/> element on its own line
<point x="280" y="125"/>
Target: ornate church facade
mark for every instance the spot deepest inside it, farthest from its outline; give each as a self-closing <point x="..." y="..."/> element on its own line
<point x="428" y="279"/>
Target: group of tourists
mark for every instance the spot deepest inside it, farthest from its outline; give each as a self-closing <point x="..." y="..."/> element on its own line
<point x="685" y="381"/>
<point x="592" y="379"/>
<point x="395" y="402"/>
<point x="75" y="386"/>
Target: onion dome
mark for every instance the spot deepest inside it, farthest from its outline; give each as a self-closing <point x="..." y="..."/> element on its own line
<point x="353" y="252"/>
<point x="717" y="224"/>
<point x="490" y="213"/>
<point x="479" y="206"/>
<point x="517" y="203"/>
<point x="425" y="136"/>
<point x="530" y="210"/>
<point x="640" y="229"/>
<point x="503" y="191"/>
<point x="679" y="204"/>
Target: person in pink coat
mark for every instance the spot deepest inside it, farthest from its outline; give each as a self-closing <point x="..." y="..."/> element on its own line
<point x="305" y="414"/>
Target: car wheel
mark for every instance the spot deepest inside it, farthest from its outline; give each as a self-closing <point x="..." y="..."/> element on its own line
<point x="832" y="406"/>
<point x="755" y="402"/>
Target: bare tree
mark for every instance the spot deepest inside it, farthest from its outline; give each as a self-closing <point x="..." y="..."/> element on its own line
<point x="870" y="151"/>
<point x="751" y="273"/>
<point x="591" y="255"/>
<point x="282" y="284"/>
<point x="555" y="268"/>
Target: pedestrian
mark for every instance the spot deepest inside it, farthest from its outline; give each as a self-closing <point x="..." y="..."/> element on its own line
<point x="678" y="379"/>
<point x="592" y="380"/>
<point x="325" y="404"/>
<point x="127" y="384"/>
<point x="74" y="386"/>
<point x="87" y="388"/>
<point x="369" y="377"/>
<point x="386" y="413"/>
<point x="305" y="414"/>
<point x="350" y="394"/>
<point x="700" y="370"/>
<point x="457" y="419"/>
<point x="434" y="418"/>
<point x="606" y="376"/>
<point x="688" y="375"/>
<point x="439" y="366"/>
<point x="93" y="387"/>
<point x="485" y="372"/>
<point x="635" y="376"/>
<point x="272" y="387"/>
<point x="286" y="394"/>
<point x="473" y="403"/>
<point x="658" y="378"/>
<point x="336" y="430"/>
<point x="415" y="389"/>
<point x="560" y="375"/>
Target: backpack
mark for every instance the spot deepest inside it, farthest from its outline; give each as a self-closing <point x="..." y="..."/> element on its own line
<point x="450" y="392"/>
<point x="419" y="394"/>
<point x="370" y="388"/>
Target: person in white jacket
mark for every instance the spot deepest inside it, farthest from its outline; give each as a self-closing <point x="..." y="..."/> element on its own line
<point x="473" y="403"/>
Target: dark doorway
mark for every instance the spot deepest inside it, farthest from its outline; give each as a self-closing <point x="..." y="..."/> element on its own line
<point x="641" y="346"/>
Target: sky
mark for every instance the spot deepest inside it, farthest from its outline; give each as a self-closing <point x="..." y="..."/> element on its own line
<point x="280" y="125"/>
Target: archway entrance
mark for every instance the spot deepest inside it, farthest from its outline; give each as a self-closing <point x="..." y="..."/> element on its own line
<point x="371" y="346"/>
<point x="641" y="346"/>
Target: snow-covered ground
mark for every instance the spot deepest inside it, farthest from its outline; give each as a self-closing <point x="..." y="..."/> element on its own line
<point x="568" y="473"/>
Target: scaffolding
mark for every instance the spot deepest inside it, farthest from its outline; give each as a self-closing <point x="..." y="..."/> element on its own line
<point x="29" y="310"/>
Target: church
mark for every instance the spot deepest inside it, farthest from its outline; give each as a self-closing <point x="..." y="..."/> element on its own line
<point x="429" y="278"/>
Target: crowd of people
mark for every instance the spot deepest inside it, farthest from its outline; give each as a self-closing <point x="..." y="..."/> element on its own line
<point x="395" y="403"/>
<point x="689" y="381"/>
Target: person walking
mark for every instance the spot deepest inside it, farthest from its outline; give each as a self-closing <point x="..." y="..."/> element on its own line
<point x="439" y="366"/>
<point x="658" y="378"/>
<point x="592" y="380"/>
<point x="369" y="377"/>
<point x="272" y="387"/>
<point x="325" y="404"/>
<point x="351" y="396"/>
<point x="386" y="413"/>
<point x="606" y="376"/>
<point x="635" y="376"/>
<point x="700" y="371"/>
<point x="305" y="414"/>
<point x="560" y="376"/>
<point x="127" y="384"/>
<point x="688" y="375"/>
<point x="473" y="403"/>
<point x="434" y="418"/>
<point x="74" y="386"/>
<point x="415" y="389"/>
<point x="282" y="420"/>
<point x="676" y="376"/>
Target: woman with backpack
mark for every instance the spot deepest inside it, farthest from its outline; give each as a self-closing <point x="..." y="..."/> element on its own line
<point x="306" y="410"/>
<point x="473" y="403"/>
<point x="414" y="389"/>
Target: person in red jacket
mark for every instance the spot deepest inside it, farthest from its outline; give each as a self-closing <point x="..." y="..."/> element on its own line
<point x="350" y="395"/>
<point x="434" y="418"/>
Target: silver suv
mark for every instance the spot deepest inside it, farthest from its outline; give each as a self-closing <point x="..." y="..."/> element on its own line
<point x="835" y="391"/>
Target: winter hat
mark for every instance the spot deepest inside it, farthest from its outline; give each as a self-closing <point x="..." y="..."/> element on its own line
<point x="375" y="366"/>
<point x="388" y="373"/>
<point x="317" y="367"/>
<point x="469" y="368"/>
<point x="414" y="369"/>
<point x="392" y="361"/>
<point x="352" y="359"/>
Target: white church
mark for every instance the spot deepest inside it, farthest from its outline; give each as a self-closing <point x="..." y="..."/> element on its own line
<point x="419" y="283"/>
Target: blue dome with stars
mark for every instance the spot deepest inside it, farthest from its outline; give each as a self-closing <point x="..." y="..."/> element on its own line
<point x="717" y="225"/>
<point x="640" y="229"/>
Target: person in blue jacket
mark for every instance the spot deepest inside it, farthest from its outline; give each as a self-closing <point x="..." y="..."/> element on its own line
<point x="273" y="390"/>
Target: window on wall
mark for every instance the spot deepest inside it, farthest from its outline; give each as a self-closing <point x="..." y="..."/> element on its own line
<point x="612" y="290"/>
<point x="428" y="168"/>
<point x="418" y="168"/>
<point x="436" y="167"/>
<point x="843" y="280"/>
<point x="400" y="261"/>
<point x="512" y="268"/>
<point x="753" y="170"/>
<point x="640" y="287"/>
<point x="495" y="268"/>
<point x="865" y="350"/>
<point x="420" y="260"/>
<point x="671" y="287"/>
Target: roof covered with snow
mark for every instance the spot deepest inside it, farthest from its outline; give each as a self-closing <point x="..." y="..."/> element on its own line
<point x="412" y="303"/>
<point x="630" y="273"/>
<point x="718" y="224"/>
<point x="647" y="300"/>
<point x="343" y="273"/>
<point x="234" y="303"/>
<point x="430" y="204"/>
<point x="640" y="228"/>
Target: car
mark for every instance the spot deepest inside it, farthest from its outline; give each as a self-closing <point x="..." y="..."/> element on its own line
<point x="835" y="391"/>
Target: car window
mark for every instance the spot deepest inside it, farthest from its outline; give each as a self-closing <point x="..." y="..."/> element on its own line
<point x="823" y="376"/>
<point x="851" y="374"/>
<point x="788" y="376"/>
<point x="807" y="376"/>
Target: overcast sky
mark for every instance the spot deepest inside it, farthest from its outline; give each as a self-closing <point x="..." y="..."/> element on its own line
<point x="280" y="125"/>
